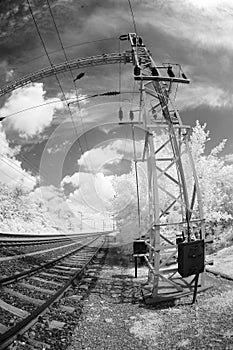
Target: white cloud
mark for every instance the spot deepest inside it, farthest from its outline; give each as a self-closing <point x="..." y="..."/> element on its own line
<point x="94" y="192"/>
<point x="104" y="188"/>
<point x="207" y="4"/>
<point x="93" y="184"/>
<point x="205" y="23"/>
<point x="200" y="94"/>
<point x="73" y="180"/>
<point x="112" y="153"/>
<point x="58" y="148"/>
<point x="13" y="175"/>
<point x="55" y="202"/>
<point x="97" y="157"/>
<point x="69" y="211"/>
<point x="11" y="172"/>
<point x="30" y="122"/>
<point x="46" y="193"/>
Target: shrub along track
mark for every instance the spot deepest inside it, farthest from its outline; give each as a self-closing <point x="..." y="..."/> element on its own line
<point x="24" y="302"/>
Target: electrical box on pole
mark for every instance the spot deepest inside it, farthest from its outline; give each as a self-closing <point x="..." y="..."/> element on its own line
<point x="191" y="258"/>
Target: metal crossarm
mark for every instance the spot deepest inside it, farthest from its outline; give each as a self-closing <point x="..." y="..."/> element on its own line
<point x="162" y="78"/>
<point x="112" y="58"/>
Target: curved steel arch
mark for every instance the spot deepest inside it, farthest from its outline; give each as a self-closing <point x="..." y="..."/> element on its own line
<point x="111" y="58"/>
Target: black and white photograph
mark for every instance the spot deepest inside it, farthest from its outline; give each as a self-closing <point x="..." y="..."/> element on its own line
<point x="116" y="174"/>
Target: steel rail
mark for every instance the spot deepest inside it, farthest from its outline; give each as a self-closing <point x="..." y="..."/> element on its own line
<point x="110" y="58"/>
<point x="8" y="337"/>
<point x="7" y="237"/>
<point x="48" y="240"/>
<point x="31" y="243"/>
<point x="18" y="276"/>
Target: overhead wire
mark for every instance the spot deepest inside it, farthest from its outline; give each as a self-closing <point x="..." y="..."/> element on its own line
<point x="15" y="167"/>
<point x="59" y="38"/>
<point x="133" y="17"/>
<point x="75" y="45"/>
<point x="14" y="179"/>
<point x="133" y="133"/>
<point x="80" y="110"/>
<point x="47" y="54"/>
<point x="73" y="79"/>
<point x="119" y="73"/>
<point x="44" y="175"/>
<point x="32" y="166"/>
<point x="61" y="101"/>
<point x="21" y="171"/>
<point x="55" y="51"/>
<point x="58" y="81"/>
<point x="8" y="160"/>
<point x="49" y="59"/>
<point x="136" y="178"/>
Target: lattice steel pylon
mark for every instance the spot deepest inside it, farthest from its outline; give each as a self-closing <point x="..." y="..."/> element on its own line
<point x="175" y="207"/>
<point x="173" y="192"/>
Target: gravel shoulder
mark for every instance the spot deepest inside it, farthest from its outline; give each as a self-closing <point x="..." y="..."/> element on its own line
<point x="114" y="317"/>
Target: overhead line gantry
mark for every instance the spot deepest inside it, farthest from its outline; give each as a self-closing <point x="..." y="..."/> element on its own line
<point x="174" y="196"/>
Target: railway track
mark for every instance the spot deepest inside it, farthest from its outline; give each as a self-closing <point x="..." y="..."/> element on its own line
<point x="11" y="240"/>
<point x="25" y="297"/>
<point x="32" y="242"/>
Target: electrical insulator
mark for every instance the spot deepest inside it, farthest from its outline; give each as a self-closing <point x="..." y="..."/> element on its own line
<point x="170" y="72"/>
<point x="79" y="76"/>
<point x="183" y="76"/>
<point x="120" y="114"/>
<point x="137" y="70"/>
<point x="154" y="71"/>
<point x="134" y="40"/>
<point x="140" y="41"/>
<point x="123" y="37"/>
<point x="131" y="115"/>
<point x="110" y="93"/>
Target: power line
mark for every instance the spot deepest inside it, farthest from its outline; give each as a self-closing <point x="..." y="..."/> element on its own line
<point x="37" y="106"/>
<point x="35" y="168"/>
<point x="27" y="161"/>
<point x="132" y="15"/>
<point x="136" y="178"/>
<point x="74" y="45"/>
<point x="58" y="81"/>
<point x="109" y="93"/>
<point x="13" y="178"/>
<point x="8" y="160"/>
<point x="76" y="92"/>
<point x="66" y="58"/>
<point x="45" y="49"/>
<point x="58" y="34"/>
<point x="71" y="72"/>
<point x="119" y="76"/>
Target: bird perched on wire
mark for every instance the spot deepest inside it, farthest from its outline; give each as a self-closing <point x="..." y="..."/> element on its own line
<point x="79" y="76"/>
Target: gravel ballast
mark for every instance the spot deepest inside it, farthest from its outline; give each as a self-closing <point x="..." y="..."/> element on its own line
<point x="113" y="317"/>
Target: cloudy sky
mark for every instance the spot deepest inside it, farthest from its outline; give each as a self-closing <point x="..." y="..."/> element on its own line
<point x="76" y="158"/>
